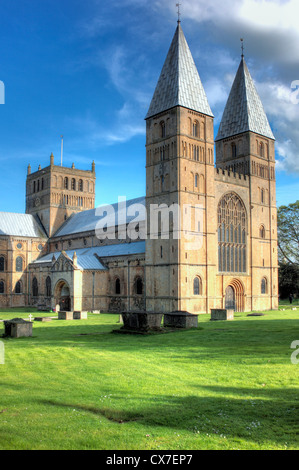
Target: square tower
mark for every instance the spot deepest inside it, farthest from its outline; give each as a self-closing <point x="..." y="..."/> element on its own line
<point x="54" y="193"/>
<point x="180" y="259"/>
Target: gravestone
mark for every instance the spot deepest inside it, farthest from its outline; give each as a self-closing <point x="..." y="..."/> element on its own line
<point x="65" y="315"/>
<point x="219" y="314"/>
<point x="141" y="321"/>
<point x="80" y="315"/>
<point x="43" y="319"/>
<point x="178" y="319"/>
<point x="18" y="328"/>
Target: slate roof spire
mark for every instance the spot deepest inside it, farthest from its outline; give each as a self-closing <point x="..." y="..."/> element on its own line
<point x="244" y="110"/>
<point x="179" y="83"/>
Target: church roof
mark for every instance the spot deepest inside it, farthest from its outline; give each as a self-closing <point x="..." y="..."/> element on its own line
<point x="179" y="83"/>
<point x="20" y="225"/>
<point x="244" y="110"/>
<point x="88" y="258"/>
<point x="87" y="221"/>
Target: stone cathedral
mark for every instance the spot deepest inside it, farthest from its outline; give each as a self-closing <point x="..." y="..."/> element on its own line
<point x="52" y="257"/>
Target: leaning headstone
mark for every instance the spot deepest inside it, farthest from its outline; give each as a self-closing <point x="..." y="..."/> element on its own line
<point x="17" y="328"/>
<point x="184" y="320"/>
<point x="65" y="316"/>
<point x="222" y="314"/>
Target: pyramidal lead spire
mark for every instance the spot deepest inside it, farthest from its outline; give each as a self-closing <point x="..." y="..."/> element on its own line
<point x="244" y="110"/>
<point x="179" y="83"/>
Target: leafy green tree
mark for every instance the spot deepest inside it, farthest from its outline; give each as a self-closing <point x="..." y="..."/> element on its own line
<point x="288" y="233"/>
<point x="288" y="279"/>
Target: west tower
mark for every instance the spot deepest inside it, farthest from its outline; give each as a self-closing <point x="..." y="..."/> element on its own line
<point x="245" y="144"/>
<point x="54" y="193"/>
<point x="180" y="175"/>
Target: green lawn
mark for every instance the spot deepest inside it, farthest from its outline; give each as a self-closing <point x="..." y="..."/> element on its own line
<point x="227" y="385"/>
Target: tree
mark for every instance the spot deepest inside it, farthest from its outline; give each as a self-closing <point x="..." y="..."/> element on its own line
<point x="288" y="280"/>
<point x="288" y="233"/>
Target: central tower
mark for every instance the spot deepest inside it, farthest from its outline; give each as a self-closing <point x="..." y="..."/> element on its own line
<point x="179" y="176"/>
<point x="55" y="193"/>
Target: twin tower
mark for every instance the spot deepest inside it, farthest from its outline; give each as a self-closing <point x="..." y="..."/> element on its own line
<point x="232" y="207"/>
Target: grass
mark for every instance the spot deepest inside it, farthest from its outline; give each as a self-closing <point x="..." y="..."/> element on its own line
<point x="227" y="385"/>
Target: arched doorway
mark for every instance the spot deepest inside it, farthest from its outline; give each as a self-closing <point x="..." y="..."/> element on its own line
<point x="234" y="296"/>
<point x="230" y="298"/>
<point x="63" y="296"/>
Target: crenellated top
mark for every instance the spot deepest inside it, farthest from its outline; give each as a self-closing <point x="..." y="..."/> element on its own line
<point x="231" y="177"/>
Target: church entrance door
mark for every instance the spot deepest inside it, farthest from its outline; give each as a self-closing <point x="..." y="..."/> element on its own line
<point x="230" y="299"/>
<point x="63" y="297"/>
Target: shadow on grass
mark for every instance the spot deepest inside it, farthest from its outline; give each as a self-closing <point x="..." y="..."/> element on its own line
<point x="255" y="338"/>
<point x="271" y="417"/>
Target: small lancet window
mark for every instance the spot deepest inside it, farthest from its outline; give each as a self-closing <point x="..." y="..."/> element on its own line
<point x="117" y="286"/>
<point x="197" y="286"/>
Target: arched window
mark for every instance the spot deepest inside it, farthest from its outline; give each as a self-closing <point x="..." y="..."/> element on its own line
<point x="48" y="287"/>
<point x="34" y="287"/>
<point x="163" y="129"/>
<point x="262" y="150"/>
<point x="196" y="181"/>
<point x="18" y="288"/>
<point x="80" y="185"/>
<point x="66" y="183"/>
<point x="262" y="196"/>
<point x="19" y="264"/>
<point x="195" y="129"/>
<point x="2" y="264"/>
<point x="43" y="183"/>
<point x="264" y="286"/>
<point x="232" y="226"/>
<point x="2" y="287"/>
<point x="197" y="286"/>
<point x="262" y="232"/>
<point x="34" y="186"/>
<point x="139" y="286"/>
<point x="117" y="286"/>
<point x="73" y="184"/>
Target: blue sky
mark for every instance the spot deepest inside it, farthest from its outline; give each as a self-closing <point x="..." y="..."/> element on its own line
<point x="88" y="69"/>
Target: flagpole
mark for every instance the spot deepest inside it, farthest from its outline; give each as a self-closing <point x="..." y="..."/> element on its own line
<point x="61" y="149"/>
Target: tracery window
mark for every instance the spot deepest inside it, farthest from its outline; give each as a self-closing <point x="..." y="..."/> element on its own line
<point x="66" y="183"/>
<point x="80" y="185"/>
<point x="232" y="226"/>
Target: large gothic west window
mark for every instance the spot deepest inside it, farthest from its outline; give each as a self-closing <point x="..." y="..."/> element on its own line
<point x="232" y="226"/>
